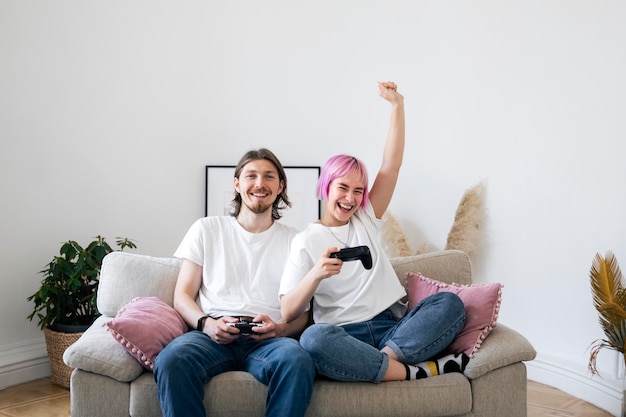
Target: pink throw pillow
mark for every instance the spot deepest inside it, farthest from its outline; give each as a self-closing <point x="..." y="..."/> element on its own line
<point x="145" y="326"/>
<point x="482" y="304"/>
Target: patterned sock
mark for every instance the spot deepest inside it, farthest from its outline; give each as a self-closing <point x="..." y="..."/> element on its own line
<point x="450" y="363"/>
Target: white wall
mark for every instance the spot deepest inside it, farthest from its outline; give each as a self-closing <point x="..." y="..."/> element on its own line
<point x="109" y="112"/>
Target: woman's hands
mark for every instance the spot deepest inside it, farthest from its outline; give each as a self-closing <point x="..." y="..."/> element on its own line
<point x="326" y="266"/>
<point x="295" y="302"/>
<point x="389" y="91"/>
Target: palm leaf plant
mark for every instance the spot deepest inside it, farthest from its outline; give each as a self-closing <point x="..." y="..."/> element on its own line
<point x="609" y="298"/>
<point x="67" y="295"/>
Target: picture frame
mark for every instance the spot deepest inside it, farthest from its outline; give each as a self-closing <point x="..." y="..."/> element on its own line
<point x="301" y="185"/>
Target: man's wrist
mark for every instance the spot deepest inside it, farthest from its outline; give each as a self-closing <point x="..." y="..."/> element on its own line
<point x="201" y="320"/>
<point x="281" y="329"/>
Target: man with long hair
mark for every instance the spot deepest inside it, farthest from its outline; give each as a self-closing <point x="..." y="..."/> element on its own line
<point x="227" y="292"/>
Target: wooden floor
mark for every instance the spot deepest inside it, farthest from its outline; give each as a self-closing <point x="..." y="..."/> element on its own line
<point x="544" y="400"/>
<point x="41" y="398"/>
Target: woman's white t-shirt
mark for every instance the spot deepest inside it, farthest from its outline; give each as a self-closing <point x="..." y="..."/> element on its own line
<point x="355" y="294"/>
<point x="241" y="271"/>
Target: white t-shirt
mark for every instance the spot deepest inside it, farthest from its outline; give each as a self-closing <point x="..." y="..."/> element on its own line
<point x="355" y="294"/>
<point x="241" y="271"/>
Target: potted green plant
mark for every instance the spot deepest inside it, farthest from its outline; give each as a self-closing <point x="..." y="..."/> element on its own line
<point x="65" y="303"/>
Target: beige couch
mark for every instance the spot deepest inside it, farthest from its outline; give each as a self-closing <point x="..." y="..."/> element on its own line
<point x="109" y="382"/>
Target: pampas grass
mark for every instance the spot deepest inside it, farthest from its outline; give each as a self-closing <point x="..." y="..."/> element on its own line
<point x="425" y="247"/>
<point x="394" y="240"/>
<point x="467" y="233"/>
<point x="468" y="229"/>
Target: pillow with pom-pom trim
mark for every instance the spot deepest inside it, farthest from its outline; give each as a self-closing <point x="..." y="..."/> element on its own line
<point x="145" y="326"/>
<point x="482" y="305"/>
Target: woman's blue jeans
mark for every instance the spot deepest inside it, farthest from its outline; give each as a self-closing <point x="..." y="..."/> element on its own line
<point x="190" y="361"/>
<point x="352" y="352"/>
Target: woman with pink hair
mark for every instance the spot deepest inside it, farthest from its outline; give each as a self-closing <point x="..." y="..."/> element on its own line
<point x="362" y="331"/>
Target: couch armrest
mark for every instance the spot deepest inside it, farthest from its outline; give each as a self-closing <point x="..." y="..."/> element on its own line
<point x="98" y="352"/>
<point x="503" y="346"/>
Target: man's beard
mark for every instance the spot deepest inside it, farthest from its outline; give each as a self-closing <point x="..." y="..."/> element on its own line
<point x="259" y="208"/>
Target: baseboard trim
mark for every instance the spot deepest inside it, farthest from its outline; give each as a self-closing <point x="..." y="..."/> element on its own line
<point x="603" y="392"/>
<point x="23" y="362"/>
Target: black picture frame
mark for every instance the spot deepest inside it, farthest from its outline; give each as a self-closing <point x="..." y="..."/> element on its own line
<point x="301" y="183"/>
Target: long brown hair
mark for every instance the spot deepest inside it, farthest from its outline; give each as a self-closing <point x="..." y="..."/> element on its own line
<point x="282" y="200"/>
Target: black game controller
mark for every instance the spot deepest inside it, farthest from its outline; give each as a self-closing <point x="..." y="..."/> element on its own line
<point x="245" y="327"/>
<point x="357" y="253"/>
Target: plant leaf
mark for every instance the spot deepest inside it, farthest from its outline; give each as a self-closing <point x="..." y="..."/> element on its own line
<point x="607" y="288"/>
<point x="609" y="299"/>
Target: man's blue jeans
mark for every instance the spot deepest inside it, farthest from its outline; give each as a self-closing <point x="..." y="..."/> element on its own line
<point x="352" y="352"/>
<point x="190" y="361"/>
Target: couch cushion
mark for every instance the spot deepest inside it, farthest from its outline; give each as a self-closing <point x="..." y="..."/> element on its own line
<point x="229" y="394"/>
<point x="503" y="347"/>
<point x="145" y="326"/>
<point x="482" y="304"/>
<point x="96" y="351"/>
<point x="445" y="395"/>
<point x="125" y="276"/>
<point x="237" y="393"/>
<point x="447" y="266"/>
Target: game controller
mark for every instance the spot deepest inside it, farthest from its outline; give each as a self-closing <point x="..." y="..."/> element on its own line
<point x="245" y="327"/>
<point x="357" y="253"/>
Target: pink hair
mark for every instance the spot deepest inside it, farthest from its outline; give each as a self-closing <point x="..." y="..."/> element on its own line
<point x="342" y="166"/>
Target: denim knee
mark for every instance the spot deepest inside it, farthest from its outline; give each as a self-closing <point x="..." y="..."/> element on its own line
<point x="168" y="358"/>
<point x="300" y="363"/>
<point x="314" y="338"/>
<point x="340" y="356"/>
<point x="456" y="308"/>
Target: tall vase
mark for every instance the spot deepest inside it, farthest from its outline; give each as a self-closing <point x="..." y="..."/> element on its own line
<point x="623" y="395"/>
<point x="621" y="375"/>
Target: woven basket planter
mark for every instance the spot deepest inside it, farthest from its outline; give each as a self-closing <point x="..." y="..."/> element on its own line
<point x="56" y="343"/>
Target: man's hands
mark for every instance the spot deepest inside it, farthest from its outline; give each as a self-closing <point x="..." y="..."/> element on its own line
<point x="223" y="333"/>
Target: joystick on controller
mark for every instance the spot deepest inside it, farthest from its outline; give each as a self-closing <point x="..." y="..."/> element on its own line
<point x="357" y="253"/>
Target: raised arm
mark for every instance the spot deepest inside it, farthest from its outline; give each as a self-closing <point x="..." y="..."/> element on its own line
<point x="387" y="177"/>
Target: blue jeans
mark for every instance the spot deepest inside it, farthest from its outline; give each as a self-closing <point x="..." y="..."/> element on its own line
<point x="190" y="361"/>
<point x="352" y="352"/>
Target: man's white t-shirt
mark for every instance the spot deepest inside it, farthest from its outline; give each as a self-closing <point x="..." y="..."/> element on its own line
<point x="355" y="294"/>
<point x="241" y="271"/>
